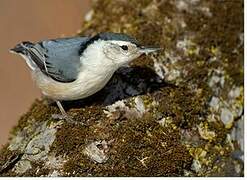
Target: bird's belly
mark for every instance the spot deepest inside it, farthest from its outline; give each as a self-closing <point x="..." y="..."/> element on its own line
<point x="86" y="85"/>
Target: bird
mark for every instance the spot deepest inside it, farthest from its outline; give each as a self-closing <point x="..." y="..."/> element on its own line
<point x="72" y="68"/>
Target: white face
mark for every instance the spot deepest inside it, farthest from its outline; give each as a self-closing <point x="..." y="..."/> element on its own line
<point x="121" y="52"/>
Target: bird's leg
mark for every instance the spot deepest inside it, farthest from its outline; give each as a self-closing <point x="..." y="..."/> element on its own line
<point x="64" y="115"/>
<point x="61" y="108"/>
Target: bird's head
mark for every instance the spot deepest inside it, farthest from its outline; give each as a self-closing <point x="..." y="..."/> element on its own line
<point x="119" y="48"/>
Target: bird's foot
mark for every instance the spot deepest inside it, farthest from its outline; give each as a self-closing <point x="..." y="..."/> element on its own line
<point x="65" y="117"/>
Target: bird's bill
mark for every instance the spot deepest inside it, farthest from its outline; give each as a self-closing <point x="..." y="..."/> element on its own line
<point x="147" y="50"/>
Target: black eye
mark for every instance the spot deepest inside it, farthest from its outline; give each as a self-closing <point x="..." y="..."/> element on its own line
<point x="124" y="47"/>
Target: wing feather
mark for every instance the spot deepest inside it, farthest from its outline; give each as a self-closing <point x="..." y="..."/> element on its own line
<point x="58" y="59"/>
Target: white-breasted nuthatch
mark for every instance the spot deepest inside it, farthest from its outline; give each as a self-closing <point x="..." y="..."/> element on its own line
<point x="77" y="67"/>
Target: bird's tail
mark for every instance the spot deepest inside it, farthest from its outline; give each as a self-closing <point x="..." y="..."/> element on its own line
<point x="23" y="50"/>
<point x="22" y="47"/>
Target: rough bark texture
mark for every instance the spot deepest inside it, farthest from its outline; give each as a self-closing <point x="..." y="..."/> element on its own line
<point x="175" y="113"/>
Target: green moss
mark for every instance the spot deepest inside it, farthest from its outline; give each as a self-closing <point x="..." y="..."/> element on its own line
<point x="140" y="147"/>
<point x="222" y="32"/>
<point x="185" y="107"/>
<point x="133" y="140"/>
<point x="40" y="166"/>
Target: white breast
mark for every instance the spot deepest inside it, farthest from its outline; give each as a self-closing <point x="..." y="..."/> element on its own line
<point x="86" y="85"/>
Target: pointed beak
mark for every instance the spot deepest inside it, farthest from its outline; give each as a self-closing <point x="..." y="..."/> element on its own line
<point x="147" y="50"/>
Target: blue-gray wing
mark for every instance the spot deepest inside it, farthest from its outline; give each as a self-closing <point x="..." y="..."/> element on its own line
<point x="59" y="58"/>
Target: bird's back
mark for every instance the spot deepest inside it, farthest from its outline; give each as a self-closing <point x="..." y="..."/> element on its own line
<point x="58" y="58"/>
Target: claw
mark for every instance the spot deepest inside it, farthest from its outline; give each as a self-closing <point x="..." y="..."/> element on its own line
<point x="64" y="115"/>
